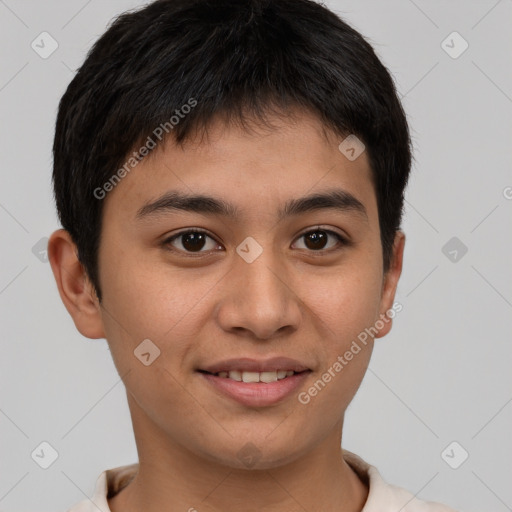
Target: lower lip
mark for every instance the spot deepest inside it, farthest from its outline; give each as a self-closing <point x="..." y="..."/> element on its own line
<point x="257" y="394"/>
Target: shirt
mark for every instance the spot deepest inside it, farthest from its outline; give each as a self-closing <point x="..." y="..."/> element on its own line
<point x="382" y="497"/>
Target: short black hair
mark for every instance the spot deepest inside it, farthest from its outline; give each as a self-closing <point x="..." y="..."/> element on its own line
<point x="237" y="59"/>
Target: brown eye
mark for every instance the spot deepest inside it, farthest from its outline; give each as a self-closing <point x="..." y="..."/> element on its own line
<point x="191" y="242"/>
<point x="318" y="240"/>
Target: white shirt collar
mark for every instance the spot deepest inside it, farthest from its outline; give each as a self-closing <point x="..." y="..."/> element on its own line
<point x="382" y="497"/>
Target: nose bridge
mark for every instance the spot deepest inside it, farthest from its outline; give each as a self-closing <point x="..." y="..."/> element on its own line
<point x="261" y="282"/>
<point x="257" y="298"/>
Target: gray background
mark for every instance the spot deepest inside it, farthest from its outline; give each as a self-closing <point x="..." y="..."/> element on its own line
<point x="442" y="374"/>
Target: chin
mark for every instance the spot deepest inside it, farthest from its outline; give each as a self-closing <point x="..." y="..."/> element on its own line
<point x="258" y="454"/>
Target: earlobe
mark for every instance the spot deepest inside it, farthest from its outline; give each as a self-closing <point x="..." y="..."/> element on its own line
<point x="390" y="284"/>
<point x="75" y="289"/>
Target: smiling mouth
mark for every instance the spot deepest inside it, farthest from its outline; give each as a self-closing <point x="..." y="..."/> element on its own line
<point x="255" y="377"/>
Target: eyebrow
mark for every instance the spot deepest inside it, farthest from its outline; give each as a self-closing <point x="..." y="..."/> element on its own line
<point x="337" y="199"/>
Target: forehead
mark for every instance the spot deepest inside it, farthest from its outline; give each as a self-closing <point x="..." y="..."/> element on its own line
<point x="257" y="170"/>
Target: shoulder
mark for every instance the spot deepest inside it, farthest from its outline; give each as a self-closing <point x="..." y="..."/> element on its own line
<point x="108" y="484"/>
<point x="384" y="497"/>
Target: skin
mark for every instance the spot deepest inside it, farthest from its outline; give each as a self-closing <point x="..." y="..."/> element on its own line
<point x="290" y="301"/>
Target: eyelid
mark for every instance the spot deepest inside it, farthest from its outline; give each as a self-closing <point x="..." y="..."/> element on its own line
<point x="189" y="230"/>
<point x="327" y="229"/>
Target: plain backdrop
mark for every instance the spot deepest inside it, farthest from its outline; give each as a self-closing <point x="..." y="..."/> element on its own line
<point x="439" y="386"/>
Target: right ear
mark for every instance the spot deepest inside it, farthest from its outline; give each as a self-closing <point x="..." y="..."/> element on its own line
<point x="75" y="288"/>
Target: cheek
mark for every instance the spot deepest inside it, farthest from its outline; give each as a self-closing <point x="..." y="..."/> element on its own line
<point x="148" y="299"/>
<point x="142" y="305"/>
<point x="343" y="309"/>
<point x="168" y="306"/>
<point x="345" y="302"/>
<point x="342" y="305"/>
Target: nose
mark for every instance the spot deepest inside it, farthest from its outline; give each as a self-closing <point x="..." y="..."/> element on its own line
<point x="258" y="299"/>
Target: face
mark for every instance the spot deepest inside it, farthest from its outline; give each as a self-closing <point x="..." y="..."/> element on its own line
<point x="252" y="283"/>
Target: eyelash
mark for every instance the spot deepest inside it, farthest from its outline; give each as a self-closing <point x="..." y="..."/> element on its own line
<point x="321" y="252"/>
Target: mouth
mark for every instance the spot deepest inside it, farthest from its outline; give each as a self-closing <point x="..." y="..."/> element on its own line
<point x="255" y="383"/>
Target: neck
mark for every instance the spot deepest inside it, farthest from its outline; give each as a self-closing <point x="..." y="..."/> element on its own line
<point x="170" y="477"/>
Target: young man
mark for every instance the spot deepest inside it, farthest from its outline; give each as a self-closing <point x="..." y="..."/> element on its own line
<point x="230" y="179"/>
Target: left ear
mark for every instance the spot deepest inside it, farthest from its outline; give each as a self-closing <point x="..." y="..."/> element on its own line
<point x="390" y="283"/>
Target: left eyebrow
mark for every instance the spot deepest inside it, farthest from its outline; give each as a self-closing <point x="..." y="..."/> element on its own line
<point x="337" y="199"/>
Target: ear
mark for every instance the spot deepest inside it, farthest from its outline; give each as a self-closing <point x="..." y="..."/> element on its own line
<point x="390" y="282"/>
<point x="75" y="289"/>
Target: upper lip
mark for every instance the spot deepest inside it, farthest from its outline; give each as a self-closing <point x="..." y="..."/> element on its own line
<point x="246" y="364"/>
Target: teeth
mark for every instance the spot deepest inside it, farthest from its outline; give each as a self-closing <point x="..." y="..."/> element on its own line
<point x="268" y="377"/>
<point x="256" y="376"/>
<point x="250" y="376"/>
